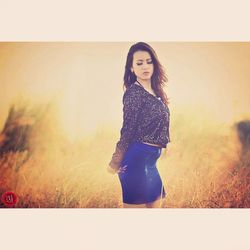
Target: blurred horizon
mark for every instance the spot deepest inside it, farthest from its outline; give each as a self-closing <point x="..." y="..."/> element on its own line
<point x="84" y="81"/>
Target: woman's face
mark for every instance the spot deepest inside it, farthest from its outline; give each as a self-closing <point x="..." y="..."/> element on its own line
<point x="142" y="65"/>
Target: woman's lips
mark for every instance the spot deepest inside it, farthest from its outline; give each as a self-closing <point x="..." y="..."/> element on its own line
<point x="145" y="73"/>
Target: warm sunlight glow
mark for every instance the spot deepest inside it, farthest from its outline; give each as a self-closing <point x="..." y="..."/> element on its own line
<point x="72" y="143"/>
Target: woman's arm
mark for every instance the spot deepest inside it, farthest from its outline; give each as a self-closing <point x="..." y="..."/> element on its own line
<point x="132" y="103"/>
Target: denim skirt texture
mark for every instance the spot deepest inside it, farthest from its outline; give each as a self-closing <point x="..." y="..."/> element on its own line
<point x="141" y="182"/>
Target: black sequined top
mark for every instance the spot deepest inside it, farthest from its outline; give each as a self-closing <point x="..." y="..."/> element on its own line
<point x="145" y="119"/>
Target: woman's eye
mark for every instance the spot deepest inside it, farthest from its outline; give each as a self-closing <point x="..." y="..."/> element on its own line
<point x="141" y="63"/>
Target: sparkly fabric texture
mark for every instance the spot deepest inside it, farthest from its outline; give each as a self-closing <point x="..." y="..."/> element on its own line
<point x="145" y="119"/>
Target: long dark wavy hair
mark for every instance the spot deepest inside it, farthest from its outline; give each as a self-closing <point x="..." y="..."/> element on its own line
<point x="159" y="77"/>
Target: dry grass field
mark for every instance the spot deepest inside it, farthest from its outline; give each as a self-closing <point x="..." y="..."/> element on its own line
<point x="203" y="168"/>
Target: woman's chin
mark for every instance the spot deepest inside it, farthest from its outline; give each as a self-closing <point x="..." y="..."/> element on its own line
<point x="145" y="77"/>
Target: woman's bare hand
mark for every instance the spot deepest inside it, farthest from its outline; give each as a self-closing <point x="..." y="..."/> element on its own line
<point x="116" y="171"/>
<point x="122" y="169"/>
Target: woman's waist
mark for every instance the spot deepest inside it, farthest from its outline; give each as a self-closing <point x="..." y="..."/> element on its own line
<point x="152" y="138"/>
<point x="151" y="144"/>
<point x="148" y="144"/>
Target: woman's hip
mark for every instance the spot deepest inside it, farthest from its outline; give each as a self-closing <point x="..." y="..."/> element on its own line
<point x="141" y="154"/>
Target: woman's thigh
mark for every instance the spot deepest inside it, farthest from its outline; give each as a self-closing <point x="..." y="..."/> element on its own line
<point x="154" y="204"/>
<point x="126" y="205"/>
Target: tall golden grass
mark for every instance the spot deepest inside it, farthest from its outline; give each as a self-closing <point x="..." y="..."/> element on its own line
<point x="203" y="169"/>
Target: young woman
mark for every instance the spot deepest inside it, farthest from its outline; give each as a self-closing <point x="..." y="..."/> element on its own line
<point x="145" y="129"/>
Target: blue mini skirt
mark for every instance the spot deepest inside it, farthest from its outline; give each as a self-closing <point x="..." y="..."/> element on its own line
<point x="141" y="182"/>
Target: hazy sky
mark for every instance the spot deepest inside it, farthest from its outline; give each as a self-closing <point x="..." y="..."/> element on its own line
<point x="87" y="79"/>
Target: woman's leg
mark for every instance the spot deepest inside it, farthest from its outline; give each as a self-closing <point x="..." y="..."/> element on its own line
<point x="126" y="205"/>
<point x="154" y="204"/>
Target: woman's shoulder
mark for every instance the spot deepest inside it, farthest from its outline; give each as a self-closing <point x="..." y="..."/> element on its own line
<point x="134" y="93"/>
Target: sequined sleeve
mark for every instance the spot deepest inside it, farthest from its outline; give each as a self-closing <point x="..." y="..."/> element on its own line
<point x="132" y="102"/>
